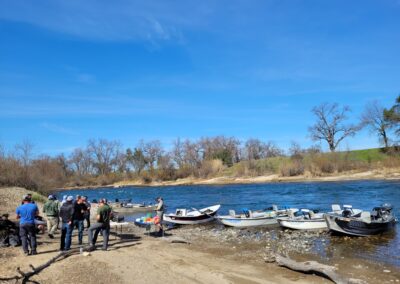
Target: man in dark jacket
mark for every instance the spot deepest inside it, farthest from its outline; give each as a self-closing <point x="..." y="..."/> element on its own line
<point x="79" y="215"/>
<point x="66" y="214"/>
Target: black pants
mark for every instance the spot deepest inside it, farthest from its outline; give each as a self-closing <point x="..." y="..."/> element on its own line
<point x="27" y="232"/>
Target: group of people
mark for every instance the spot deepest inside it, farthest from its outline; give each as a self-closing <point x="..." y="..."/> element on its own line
<point x="71" y="212"/>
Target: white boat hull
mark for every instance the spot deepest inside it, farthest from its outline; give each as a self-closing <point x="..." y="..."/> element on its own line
<point x="170" y="219"/>
<point x="193" y="217"/>
<point x="303" y="224"/>
<point x="246" y="222"/>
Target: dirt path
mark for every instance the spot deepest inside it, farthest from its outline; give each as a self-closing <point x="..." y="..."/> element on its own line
<point x="143" y="259"/>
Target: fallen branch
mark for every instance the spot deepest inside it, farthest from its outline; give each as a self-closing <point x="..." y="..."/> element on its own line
<point x="316" y="268"/>
<point x="25" y="276"/>
<point x="176" y="240"/>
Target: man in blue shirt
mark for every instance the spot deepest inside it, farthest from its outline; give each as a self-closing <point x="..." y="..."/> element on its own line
<point x="26" y="214"/>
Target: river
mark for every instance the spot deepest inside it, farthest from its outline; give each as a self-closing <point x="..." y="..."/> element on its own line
<point x="315" y="195"/>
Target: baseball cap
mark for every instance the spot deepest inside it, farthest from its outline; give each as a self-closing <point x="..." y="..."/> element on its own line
<point x="26" y="197"/>
<point x="70" y="198"/>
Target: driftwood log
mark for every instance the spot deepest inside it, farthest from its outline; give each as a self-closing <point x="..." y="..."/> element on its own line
<point x="24" y="277"/>
<point x="317" y="268"/>
<point x="176" y="240"/>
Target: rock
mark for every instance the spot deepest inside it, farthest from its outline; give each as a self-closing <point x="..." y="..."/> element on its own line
<point x="386" y="271"/>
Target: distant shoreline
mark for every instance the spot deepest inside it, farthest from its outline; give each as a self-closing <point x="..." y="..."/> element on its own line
<point x="393" y="174"/>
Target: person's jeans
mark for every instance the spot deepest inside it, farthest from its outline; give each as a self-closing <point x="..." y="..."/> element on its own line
<point x="27" y="232"/>
<point x="79" y="224"/>
<point x="87" y="218"/>
<point x="66" y="236"/>
<point x="52" y="224"/>
<point x="96" y="228"/>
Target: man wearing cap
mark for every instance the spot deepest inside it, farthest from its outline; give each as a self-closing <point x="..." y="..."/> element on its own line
<point x="66" y="214"/>
<point x="26" y="214"/>
<point x="51" y="210"/>
<point x="103" y="217"/>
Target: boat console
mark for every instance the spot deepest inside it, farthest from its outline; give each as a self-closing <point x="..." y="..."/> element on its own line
<point x="181" y="212"/>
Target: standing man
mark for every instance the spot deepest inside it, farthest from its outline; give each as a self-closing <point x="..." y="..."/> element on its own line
<point x="66" y="214"/>
<point x="51" y="210"/>
<point x="87" y="213"/>
<point x="103" y="217"/>
<point x="160" y="213"/>
<point x="26" y="214"/>
<point x="79" y="215"/>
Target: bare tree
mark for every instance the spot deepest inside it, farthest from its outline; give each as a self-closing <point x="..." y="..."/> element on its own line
<point x="373" y="118"/>
<point x="152" y="150"/>
<point x="330" y="125"/>
<point x="81" y="161"/>
<point x="136" y="159"/>
<point x="178" y="153"/>
<point x="254" y="149"/>
<point x="222" y="148"/>
<point x="103" y="154"/>
<point x="24" y="152"/>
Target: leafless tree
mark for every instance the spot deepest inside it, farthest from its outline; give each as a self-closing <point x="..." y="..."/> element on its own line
<point x="81" y="161"/>
<point x="103" y="154"/>
<point x="373" y="118"/>
<point x="226" y="149"/>
<point x="178" y="153"/>
<point x="136" y="159"/>
<point x="24" y="152"/>
<point x="295" y="151"/>
<point x="254" y="149"/>
<point x="330" y="125"/>
<point x="152" y="150"/>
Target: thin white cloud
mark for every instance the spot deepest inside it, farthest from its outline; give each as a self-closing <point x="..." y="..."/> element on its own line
<point x="109" y="20"/>
<point x="57" y="128"/>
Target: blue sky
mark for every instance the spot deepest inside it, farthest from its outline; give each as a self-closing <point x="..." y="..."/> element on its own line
<point x="131" y="70"/>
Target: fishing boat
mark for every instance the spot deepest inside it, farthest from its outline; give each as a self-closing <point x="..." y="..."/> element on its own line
<point x="250" y="218"/>
<point x="304" y="219"/>
<point x="128" y="207"/>
<point x="379" y="220"/>
<point x="192" y="216"/>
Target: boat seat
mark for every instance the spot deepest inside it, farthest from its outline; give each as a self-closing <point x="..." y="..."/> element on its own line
<point x="336" y="208"/>
<point x="366" y="216"/>
<point x="232" y="213"/>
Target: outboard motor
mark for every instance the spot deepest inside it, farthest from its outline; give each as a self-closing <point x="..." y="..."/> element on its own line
<point x="347" y="213"/>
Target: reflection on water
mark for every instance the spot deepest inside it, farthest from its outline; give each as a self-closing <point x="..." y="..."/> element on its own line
<point x="317" y="195"/>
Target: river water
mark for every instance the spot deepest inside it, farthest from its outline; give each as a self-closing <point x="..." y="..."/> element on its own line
<point x="316" y="195"/>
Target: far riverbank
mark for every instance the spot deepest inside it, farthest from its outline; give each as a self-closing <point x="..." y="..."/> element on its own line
<point x="383" y="174"/>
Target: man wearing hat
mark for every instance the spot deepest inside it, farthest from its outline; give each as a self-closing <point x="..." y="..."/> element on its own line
<point x="66" y="214"/>
<point x="50" y="208"/>
<point x="103" y="217"/>
<point x="26" y="214"/>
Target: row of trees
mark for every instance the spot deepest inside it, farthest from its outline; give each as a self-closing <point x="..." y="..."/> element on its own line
<point x="105" y="161"/>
